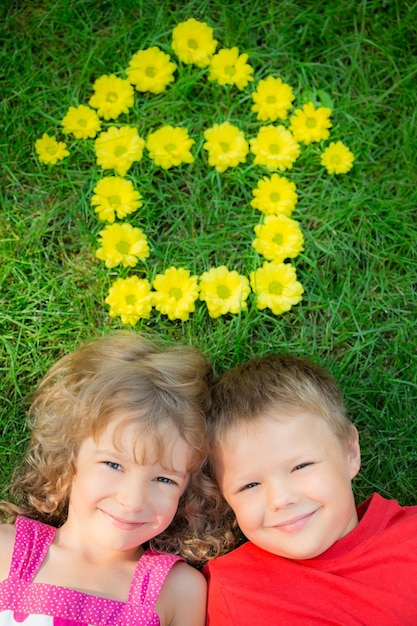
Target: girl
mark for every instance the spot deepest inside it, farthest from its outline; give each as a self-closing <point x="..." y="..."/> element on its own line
<point x="108" y="502"/>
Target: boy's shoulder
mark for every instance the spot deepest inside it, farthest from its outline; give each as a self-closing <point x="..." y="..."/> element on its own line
<point x="384" y="512"/>
<point x="238" y="558"/>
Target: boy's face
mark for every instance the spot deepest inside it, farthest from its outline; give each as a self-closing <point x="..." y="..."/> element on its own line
<point x="288" y="480"/>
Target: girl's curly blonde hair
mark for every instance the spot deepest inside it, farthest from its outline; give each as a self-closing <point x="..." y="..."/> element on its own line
<point x="162" y="388"/>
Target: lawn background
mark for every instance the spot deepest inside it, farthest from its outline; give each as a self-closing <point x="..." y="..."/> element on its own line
<point x="359" y="266"/>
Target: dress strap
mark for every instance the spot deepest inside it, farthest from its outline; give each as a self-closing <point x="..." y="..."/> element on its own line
<point x="150" y="574"/>
<point x="31" y="544"/>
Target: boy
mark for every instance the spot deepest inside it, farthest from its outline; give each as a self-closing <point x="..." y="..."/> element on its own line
<point x="284" y="454"/>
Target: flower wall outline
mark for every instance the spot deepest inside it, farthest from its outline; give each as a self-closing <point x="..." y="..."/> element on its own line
<point x="275" y="148"/>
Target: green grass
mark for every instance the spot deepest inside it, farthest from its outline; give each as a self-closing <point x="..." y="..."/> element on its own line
<point x="359" y="266"/>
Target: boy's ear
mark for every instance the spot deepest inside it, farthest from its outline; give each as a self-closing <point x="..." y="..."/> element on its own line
<point x="354" y="452"/>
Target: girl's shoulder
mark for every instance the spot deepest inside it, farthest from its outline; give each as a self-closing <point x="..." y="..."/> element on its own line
<point x="7" y="536"/>
<point x="182" y="600"/>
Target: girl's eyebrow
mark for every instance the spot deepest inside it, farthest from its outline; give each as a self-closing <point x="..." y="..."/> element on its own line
<point x="114" y="452"/>
<point x="111" y="451"/>
<point x="177" y="473"/>
<point x="123" y="456"/>
<point x="174" y="472"/>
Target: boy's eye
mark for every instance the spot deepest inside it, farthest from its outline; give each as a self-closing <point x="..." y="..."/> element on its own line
<point x="301" y="466"/>
<point x="249" y="486"/>
<point x="113" y="465"/>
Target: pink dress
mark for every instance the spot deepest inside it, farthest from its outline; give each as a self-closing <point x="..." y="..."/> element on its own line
<point x="38" y="604"/>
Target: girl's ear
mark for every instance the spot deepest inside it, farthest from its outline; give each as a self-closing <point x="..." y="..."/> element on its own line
<point x="354" y="452"/>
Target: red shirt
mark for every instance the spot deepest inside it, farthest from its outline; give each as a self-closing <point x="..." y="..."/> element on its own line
<point x="367" y="577"/>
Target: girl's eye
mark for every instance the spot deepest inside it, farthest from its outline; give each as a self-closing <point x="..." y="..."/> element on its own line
<point x="164" y="479"/>
<point x="112" y="465"/>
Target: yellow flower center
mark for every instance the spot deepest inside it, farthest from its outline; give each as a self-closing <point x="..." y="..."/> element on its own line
<point x="82" y="122"/>
<point x="51" y="150"/>
<point x="278" y="239"/>
<point x="119" y="151"/>
<point x="271" y="99"/>
<point x="114" y="200"/>
<point x="336" y="159"/>
<point x="150" y="71"/>
<point x="275" y="288"/>
<point x="224" y="146"/>
<point x="192" y="44"/>
<point x="223" y="292"/>
<point x="170" y="147"/>
<point x="176" y="293"/>
<point x="274" y="196"/>
<point x="274" y="148"/>
<point x="112" y="96"/>
<point x="311" y="122"/>
<point x="230" y="70"/>
<point x="122" y="247"/>
<point x="130" y="300"/>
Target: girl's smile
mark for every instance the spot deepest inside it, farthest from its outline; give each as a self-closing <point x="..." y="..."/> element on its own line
<point x="122" y="523"/>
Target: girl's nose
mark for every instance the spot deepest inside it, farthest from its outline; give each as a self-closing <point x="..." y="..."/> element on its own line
<point x="133" y="496"/>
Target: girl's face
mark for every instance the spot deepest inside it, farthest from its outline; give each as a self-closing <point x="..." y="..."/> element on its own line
<point x="288" y="480"/>
<point x="117" y="503"/>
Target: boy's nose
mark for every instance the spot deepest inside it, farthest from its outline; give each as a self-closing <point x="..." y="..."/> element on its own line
<point x="280" y="494"/>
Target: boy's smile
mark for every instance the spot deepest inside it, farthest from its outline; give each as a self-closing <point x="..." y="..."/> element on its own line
<point x="288" y="480"/>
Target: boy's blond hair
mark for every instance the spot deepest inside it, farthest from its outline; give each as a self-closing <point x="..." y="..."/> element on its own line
<point x="278" y="382"/>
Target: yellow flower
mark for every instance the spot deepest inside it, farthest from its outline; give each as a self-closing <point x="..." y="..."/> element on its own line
<point x="170" y="146"/>
<point x="276" y="287"/>
<point x="224" y="291"/>
<point x="131" y="299"/>
<point x="310" y="124"/>
<point x="118" y="148"/>
<point x="112" y="96"/>
<point x="193" y="42"/>
<point x="337" y="158"/>
<point x="113" y="196"/>
<point x="49" y="150"/>
<point x="278" y="238"/>
<point x="228" y="68"/>
<point x="82" y="122"/>
<point x="175" y="293"/>
<point x="274" y="147"/>
<point x="122" y="244"/>
<point x="275" y="195"/>
<point x="273" y="99"/>
<point x="151" y="70"/>
<point x="226" y="145"/>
